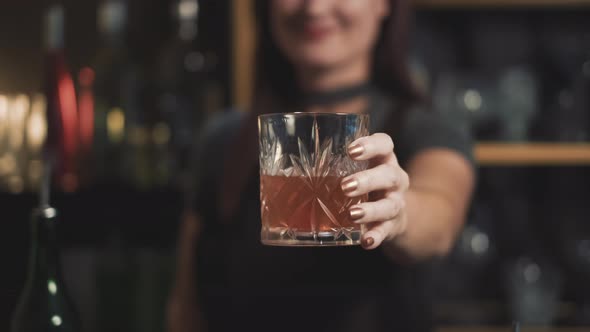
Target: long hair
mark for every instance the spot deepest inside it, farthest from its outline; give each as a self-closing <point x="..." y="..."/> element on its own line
<point x="274" y="87"/>
<point x="275" y="77"/>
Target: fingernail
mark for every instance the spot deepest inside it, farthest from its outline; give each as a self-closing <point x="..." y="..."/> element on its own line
<point x="368" y="242"/>
<point x="349" y="185"/>
<point x="356" y="150"/>
<point x="357" y="212"/>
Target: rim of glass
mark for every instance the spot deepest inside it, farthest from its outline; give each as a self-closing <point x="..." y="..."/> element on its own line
<point x="305" y="114"/>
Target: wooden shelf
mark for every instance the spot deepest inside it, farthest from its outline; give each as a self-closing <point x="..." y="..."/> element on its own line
<point x="435" y="4"/>
<point x="243" y="52"/>
<point x="532" y="154"/>
<point x="508" y="329"/>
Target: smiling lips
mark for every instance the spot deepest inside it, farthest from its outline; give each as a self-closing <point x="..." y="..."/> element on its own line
<point x="315" y="32"/>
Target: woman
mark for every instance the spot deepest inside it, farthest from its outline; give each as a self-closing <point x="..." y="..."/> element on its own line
<point x="325" y="56"/>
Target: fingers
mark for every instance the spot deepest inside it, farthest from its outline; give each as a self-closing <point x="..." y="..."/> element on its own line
<point x="375" y="146"/>
<point x="381" y="231"/>
<point x="382" y="177"/>
<point x="381" y="210"/>
<point x="384" y="218"/>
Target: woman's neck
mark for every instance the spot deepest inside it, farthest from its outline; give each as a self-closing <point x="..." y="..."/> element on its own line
<point x="326" y="80"/>
<point x="356" y="105"/>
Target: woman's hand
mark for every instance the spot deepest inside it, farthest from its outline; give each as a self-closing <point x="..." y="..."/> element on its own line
<point x="385" y="182"/>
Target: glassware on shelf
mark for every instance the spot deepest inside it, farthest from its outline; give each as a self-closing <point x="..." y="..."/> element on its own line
<point x="117" y="89"/>
<point x="498" y="107"/>
<point x="187" y="92"/>
<point x="44" y="304"/>
<point x="534" y="288"/>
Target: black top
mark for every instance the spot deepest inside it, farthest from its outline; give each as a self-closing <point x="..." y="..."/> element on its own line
<point x="244" y="285"/>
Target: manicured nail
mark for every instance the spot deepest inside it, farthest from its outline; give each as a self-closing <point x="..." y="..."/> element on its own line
<point x="356" y="212"/>
<point x="356" y="150"/>
<point x="349" y="185"/>
<point x="368" y="242"/>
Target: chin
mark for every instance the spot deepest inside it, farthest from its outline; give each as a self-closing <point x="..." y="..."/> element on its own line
<point x="317" y="60"/>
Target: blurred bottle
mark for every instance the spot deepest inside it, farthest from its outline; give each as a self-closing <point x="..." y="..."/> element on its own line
<point x="563" y="65"/>
<point x="518" y="94"/>
<point x="60" y="96"/>
<point x="45" y="304"/>
<point x="532" y="278"/>
<point x="117" y="91"/>
<point x="562" y="191"/>
<point x="574" y="239"/>
<point x="86" y="124"/>
<point x="187" y="91"/>
<point x="36" y="132"/>
<point x="568" y="188"/>
<point x="494" y="107"/>
<point x="535" y="289"/>
<point x="581" y="93"/>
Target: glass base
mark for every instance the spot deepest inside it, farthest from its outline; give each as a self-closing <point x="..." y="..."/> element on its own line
<point x="287" y="238"/>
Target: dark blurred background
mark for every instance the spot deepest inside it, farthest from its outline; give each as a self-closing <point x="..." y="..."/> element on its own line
<point x="152" y="71"/>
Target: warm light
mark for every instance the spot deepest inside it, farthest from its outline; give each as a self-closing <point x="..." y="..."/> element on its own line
<point x="116" y="125"/>
<point x="69" y="114"/>
<point x="188" y="9"/>
<point x="161" y="134"/>
<point x="35" y="172"/>
<point x="37" y="124"/>
<point x="86" y="107"/>
<point x="7" y="164"/>
<point x="18" y="114"/>
<point x="3" y="106"/>
<point x="3" y="115"/>
<point x="15" y="184"/>
<point x="86" y="76"/>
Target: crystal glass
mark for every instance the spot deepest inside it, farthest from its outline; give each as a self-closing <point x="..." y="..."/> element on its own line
<point x="303" y="159"/>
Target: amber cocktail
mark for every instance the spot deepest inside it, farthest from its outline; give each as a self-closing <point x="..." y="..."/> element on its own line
<point x="303" y="159"/>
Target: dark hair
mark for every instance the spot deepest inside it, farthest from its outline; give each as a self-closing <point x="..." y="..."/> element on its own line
<point x="275" y="77"/>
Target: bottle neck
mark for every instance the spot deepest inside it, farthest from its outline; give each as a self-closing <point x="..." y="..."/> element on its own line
<point x="54" y="29"/>
<point x="44" y="259"/>
<point x="112" y="22"/>
<point x="187" y="15"/>
<point x="187" y="30"/>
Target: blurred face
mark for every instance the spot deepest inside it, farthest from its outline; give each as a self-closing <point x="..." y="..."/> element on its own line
<point x="327" y="33"/>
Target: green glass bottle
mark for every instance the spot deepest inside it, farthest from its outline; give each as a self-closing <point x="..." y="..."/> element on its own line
<point x="44" y="305"/>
